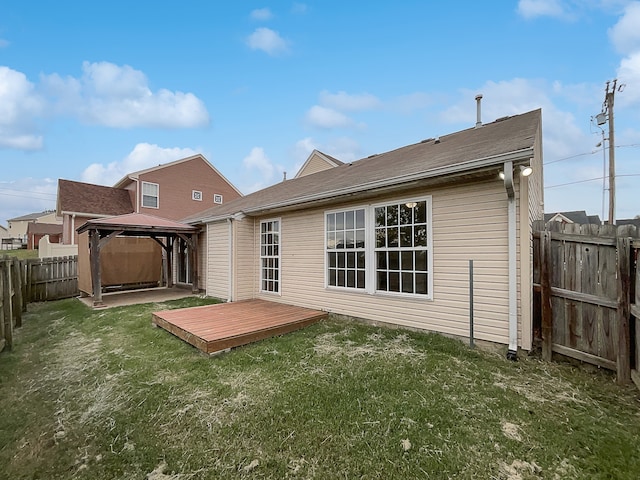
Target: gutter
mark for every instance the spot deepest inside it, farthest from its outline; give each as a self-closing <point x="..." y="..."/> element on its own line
<point x="512" y="352"/>
<point x="516" y="155"/>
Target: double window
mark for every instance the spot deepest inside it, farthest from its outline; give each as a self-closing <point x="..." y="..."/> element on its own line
<point x="384" y="248"/>
<point x="270" y="256"/>
<point x="150" y="194"/>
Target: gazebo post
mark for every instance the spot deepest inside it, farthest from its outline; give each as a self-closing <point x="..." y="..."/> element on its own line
<point x="169" y="250"/>
<point x="96" y="276"/>
<point x="193" y="262"/>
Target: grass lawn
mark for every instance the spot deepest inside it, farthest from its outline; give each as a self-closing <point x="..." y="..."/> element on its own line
<point x="104" y="395"/>
<point x="20" y="253"/>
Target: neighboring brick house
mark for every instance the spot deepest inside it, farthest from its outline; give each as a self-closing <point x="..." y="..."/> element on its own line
<point x="173" y="191"/>
<point x="18" y="226"/>
<point x="178" y="189"/>
<point x="35" y="231"/>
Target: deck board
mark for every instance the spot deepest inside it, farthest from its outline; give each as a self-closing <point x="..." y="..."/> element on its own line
<point x="214" y="328"/>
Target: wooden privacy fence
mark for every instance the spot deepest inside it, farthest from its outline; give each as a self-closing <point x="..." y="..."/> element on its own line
<point x="587" y="291"/>
<point x="32" y="280"/>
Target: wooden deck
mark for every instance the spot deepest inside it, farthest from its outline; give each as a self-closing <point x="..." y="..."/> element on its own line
<point x="215" y="328"/>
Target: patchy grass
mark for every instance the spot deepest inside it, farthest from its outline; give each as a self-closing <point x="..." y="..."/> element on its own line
<point x="104" y="395"/>
<point x="19" y="253"/>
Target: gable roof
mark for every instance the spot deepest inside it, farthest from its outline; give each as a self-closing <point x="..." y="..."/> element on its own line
<point x="328" y="159"/>
<point x="34" y="228"/>
<point x="89" y="199"/>
<point x="576" y="216"/>
<point x="475" y="149"/>
<point x="31" y="216"/>
<point x="134" y="175"/>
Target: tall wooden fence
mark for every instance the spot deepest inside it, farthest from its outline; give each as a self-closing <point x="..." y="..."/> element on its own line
<point x="587" y="288"/>
<point x="32" y="280"/>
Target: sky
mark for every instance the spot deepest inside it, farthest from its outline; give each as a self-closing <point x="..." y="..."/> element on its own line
<point x="91" y="91"/>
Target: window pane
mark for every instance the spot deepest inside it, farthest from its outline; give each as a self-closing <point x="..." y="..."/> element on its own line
<point x="361" y="260"/>
<point x="332" y="277"/>
<point x="406" y="215"/>
<point x="392" y="215"/>
<point x="420" y="235"/>
<point x="394" y="261"/>
<point x="421" y="283"/>
<point x="341" y="260"/>
<point x="351" y="278"/>
<point x="406" y="236"/>
<point x="421" y="212"/>
<point x="331" y="240"/>
<point x="339" y="239"/>
<point x="406" y="260"/>
<point x="392" y="237"/>
<point x="276" y="226"/>
<point x="360" y="279"/>
<point x="350" y="239"/>
<point x="351" y="260"/>
<point x="381" y="260"/>
<point x="421" y="261"/>
<point x="341" y="280"/>
<point x="360" y="218"/>
<point x="380" y="217"/>
<point x="359" y="238"/>
<point x="381" y="238"/>
<point x="340" y="221"/>
<point x="394" y="282"/>
<point x="407" y="282"/>
<point x="332" y="259"/>
<point x="331" y="222"/>
<point x="349" y="219"/>
<point x="381" y="280"/>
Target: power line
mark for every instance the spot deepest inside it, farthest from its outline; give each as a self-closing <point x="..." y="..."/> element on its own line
<point x="592" y="180"/>
<point x="593" y="152"/>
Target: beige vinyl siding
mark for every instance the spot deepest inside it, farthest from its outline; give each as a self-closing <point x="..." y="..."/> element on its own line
<point x="246" y="259"/>
<point x="315" y="165"/>
<point x="218" y="260"/>
<point x="469" y="222"/>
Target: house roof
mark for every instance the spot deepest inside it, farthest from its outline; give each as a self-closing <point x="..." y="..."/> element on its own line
<point x="34" y="228"/>
<point x="134" y="175"/>
<point x="89" y="199"/>
<point x="137" y="222"/>
<point x="628" y="221"/>
<point x="510" y="138"/>
<point x="576" y="216"/>
<point x="31" y="216"/>
<point x="328" y="159"/>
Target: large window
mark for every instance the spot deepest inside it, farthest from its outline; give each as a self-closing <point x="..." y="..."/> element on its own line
<point x="270" y="256"/>
<point x="402" y="247"/>
<point x="346" y="254"/>
<point x="150" y="194"/>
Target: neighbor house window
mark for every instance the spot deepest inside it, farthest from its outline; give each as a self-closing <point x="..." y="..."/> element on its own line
<point x="196" y="195"/>
<point x="150" y="194"/>
<point x="217" y="198"/>
<point x="402" y="247"/>
<point x="345" y="233"/>
<point x="270" y="256"/>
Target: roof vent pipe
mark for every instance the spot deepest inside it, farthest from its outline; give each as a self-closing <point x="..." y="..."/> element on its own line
<point x="478" y="110"/>
<point x="284" y="176"/>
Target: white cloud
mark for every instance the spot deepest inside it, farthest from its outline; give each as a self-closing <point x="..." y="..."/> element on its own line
<point x="302" y="150"/>
<point x="26" y="195"/>
<point x="343" y="101"/>
<point x="541" y="8"/>
<point x="119" y="96"/>
<point x="327" y="118"/>
<point x="4" y="43"/>
<point x="143" y="155"/>
<point x="261" y="14"/>
<point x="260" y="171"/>
<point x="20" y="106"/>
<point x="625" y="35"/>
<point x="629" y="74"/>
<point x="268" y="41"/>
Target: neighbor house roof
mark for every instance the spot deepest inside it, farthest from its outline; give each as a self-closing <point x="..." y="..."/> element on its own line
<point x="89" y="199"/>
<point x="135" y="175"/>
<point x="31" y="216"/>
<point x="34" y="228"/>
<point x="488" y="146"/>
<point x="575" y="216"/>
<point x="628" y="221"/>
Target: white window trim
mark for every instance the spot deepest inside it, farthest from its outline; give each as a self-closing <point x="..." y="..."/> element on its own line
<point x="142" y="205"/>
<point x="370" y="249"/>
<point x="196" y="195"/>
<point x="366" y="250"/>
<point x="268" y="292"/>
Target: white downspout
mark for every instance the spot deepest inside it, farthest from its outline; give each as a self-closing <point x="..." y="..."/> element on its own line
<point x="73" y="229"/>
<point x="230" y="255"/>
<point x="512" y="353"/>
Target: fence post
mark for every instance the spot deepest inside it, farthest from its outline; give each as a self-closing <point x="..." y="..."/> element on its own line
<point x="16" y="280"/>
<point x="623" y="363"/>
<point x="6" y="303"/>
<point x="545" y="294"/>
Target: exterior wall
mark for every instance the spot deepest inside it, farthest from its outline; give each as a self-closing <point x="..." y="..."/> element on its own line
<point x="314" y="165"/>
<point x="468" y="222"/>
<point x="246" y="258"/>
<point x="176" y="183"/>
<point x="70" y="223"/>
<point x="217" y="253"/>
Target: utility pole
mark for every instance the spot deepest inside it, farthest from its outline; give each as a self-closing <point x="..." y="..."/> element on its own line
<point x="609" y="99"/>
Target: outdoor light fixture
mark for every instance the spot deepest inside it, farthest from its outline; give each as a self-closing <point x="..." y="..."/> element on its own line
<point x="525" y="170"/>
<point x="501" y="175"/>
<point x="411" y="204"/>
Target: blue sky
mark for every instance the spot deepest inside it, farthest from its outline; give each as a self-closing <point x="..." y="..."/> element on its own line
<point x="90" y="91"/>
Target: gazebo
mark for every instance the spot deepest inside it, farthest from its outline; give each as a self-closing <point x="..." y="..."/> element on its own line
<point x="102" y="230"/>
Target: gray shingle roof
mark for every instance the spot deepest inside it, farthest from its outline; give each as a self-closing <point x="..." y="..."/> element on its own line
<point x="457" y="152"/>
